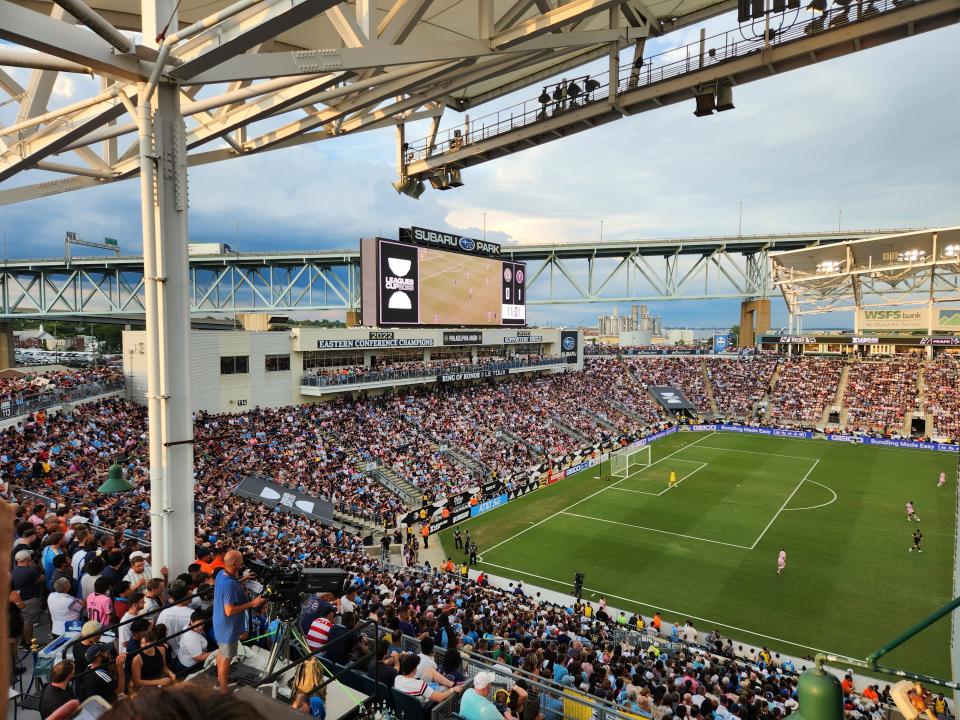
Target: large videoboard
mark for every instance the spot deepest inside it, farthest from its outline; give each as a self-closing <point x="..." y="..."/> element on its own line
<point x="404" y="284"/>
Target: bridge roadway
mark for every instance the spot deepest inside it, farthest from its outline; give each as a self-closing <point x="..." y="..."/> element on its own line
<point x="329" y="279"/>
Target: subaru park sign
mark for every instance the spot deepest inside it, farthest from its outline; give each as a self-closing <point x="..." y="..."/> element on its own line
<point x="448" y="241"/>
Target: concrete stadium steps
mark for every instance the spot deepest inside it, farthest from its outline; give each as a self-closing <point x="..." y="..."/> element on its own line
<point x="461" y="457"/>
<point x="708" y="386"/>
<point x="391" y="480"/>
<point x="610" y="427"/>
<point x="568" y="430"/>
<point x="771" y="386"/>
<point x="838" y="400"/>
<point x="516" y="439"/>
<point x="626" y="411"/>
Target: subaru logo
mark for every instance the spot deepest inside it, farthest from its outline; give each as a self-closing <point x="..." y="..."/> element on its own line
<point x="569" y="343"/>
<point x="468" y="244"/>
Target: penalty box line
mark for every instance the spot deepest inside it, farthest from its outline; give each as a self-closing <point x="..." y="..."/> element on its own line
<point x="578" y="502"/>
<point x="657" y="530"/>
<point x="637" y="475"/>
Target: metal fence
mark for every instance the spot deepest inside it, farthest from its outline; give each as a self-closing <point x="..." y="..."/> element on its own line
<point x="26" y="404"/>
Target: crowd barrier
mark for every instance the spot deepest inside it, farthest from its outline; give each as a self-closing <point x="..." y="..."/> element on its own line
<point x="26" y="404"/>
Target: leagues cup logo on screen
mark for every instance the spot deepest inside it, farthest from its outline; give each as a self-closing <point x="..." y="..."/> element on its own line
<point x="399" y="274"/>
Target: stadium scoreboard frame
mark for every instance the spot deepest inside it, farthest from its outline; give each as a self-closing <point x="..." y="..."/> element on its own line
<point x="428" y="278"/>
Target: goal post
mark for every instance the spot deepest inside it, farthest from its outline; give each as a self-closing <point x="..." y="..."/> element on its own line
<point x="623" y="464"/>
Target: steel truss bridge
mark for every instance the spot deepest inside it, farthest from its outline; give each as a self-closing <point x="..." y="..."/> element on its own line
<point x="621" y="271"/>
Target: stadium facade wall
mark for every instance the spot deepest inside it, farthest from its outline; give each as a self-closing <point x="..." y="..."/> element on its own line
<point x="216" y="392"/>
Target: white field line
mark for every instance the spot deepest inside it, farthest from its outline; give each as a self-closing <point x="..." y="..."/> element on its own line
<point x="789" y="498"/>
<point x="702" y="466"/>
<point x="658" y="494"/>
<point x="814" y="507"/>
<point x="664" y="532"/>
<point x="675" y="613"/>
<point x="582" y="500"/>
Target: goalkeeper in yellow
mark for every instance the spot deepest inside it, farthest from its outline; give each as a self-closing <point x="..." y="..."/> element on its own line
<point x="673" y="478"/>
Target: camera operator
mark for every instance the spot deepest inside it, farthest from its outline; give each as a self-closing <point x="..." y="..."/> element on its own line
<point x="229" y="604"/>
<point x="578" y="585"/>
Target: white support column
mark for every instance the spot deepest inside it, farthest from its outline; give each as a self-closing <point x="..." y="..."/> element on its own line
<point x="173" y="308"/>
<point x="163" y="197"/>
<point x="613" y="68"/>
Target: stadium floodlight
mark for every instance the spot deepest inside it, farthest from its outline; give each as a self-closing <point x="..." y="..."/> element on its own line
<point x="453" y="178"/>
<point x="912" y="256"/>
<point x="706" y="101"/>
<point x="439" y="181"/>
<point x="404" y="185"/>
<point x="418" y="190"/>
<point x="829" y="266"/>
<point x="725" y="97"/>
<point x="819" y="6"/>
<point x="951" y="251"/>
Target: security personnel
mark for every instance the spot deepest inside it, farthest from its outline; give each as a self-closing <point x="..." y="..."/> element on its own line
<point x="457" y="540"/>
<point x="425" y="533"/>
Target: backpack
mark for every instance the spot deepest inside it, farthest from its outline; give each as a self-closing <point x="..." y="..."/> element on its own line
<point x="309" y="676"/>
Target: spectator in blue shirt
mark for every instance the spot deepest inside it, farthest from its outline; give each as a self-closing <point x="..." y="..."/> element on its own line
<point x="229" y="603"/>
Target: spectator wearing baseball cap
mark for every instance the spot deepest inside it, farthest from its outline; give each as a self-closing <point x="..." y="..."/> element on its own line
<point x="89" y="636"/>
<point x="100" y="679"/>
<point x="476" y="704"/>
<point x="28" y="581"/>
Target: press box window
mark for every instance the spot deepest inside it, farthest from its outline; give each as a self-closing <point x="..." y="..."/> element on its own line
<point x="277" y="363"/>
<point x="235" y="365"/>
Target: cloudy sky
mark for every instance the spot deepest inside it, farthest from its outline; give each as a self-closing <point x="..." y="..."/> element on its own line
<point x="872" y="134"/>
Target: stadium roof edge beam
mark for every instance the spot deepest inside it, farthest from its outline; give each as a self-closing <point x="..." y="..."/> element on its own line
<point x="918" y="267"/>
<point x="320" y="69"/>
<point x="675" y="75"/>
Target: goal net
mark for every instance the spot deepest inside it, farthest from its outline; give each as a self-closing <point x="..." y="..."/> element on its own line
<point x="624" y="464"/>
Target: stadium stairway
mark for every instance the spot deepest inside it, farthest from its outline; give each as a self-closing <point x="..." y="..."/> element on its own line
<point x="768" y="393"/>
<point x="391" y="480"/>
<point x="602" y="420"/>
<point x="709" y="388"/>
<point x="517" y="440"/>
<point x="461" y="457"/>
<point x="567" y="430"/>
<point x="837" y="403"/>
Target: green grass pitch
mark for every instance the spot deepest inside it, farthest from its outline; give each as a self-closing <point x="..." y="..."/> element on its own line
<point x="707" y="548"/>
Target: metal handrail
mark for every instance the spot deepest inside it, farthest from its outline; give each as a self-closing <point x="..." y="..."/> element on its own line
<point x="20" y="407"/>
<point x="716" y="50"/>
<point x="390" y="374"/>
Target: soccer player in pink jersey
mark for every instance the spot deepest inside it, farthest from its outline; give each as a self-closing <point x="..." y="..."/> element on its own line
<point x="942" y="480"/>
<point x="911" y="515"/>
<point x="781" y="560"/>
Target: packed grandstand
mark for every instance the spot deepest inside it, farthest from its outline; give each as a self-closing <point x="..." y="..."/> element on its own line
<point x="53" y="464"/>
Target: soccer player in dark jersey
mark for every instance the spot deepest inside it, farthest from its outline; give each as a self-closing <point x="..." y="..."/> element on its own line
<point x="917" y="537"/>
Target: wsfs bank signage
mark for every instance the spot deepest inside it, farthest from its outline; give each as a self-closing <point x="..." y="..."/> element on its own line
<point x="447" y="241"/>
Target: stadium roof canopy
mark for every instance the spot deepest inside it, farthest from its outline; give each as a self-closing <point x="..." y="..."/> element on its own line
<point x="911" y="268"/>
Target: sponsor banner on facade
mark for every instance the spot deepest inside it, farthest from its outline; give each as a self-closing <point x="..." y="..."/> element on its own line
<point x="489" y="505"/>
<point x="885" y="442"/>
<point x="448" y="241"/>
<point x="367" y="343"/>
<point x="723" y="343"/>
<point x="269" y="493"/>
<point x="916" y="318"/>
<point x="462" y="337"/>
<point x="664" y="351"/>
<point x="523" y="339"/>
<point x="472" y="375"/>
<point x="940" y="341"/>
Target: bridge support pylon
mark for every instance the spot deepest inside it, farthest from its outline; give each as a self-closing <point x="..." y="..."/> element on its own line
<point x="754" y="320"/>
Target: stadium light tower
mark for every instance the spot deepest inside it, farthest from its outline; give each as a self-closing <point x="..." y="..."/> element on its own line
<point x="820" y="695"/>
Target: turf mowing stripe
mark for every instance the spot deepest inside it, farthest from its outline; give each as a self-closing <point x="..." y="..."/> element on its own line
<point x="665" y="457"/>
<point x="665" y="532"/>
<point x="789" y="498"/>
<point x="755" y="452"/>
<point x="675" y="613"/>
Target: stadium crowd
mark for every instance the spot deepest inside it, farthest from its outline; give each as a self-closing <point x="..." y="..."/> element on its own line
<point x="880" y="393"/>
<point x="805" y="387"/>
<point x="941" y="380"/>
<point x="739" y="384"/>
<point x="82" y="552"/>
<point x="28" y="386"/>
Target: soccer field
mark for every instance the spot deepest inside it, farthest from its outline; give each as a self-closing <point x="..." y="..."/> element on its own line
<point x="707" y="548"/>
